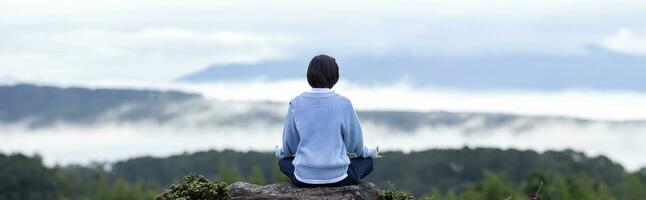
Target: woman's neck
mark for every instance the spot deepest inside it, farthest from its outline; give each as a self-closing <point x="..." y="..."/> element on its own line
<point x="320" y="90"/>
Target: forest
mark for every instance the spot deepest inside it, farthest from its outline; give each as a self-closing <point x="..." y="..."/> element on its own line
<point x="467" y="173"/>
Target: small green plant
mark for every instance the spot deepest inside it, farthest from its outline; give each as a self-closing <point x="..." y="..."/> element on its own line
<point x="392" y="194"/>
<point x="195" y="187"/>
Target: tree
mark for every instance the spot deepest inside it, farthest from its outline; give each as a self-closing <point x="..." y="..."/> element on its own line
<point x="257" y="177"/>
<point x="276" y="175"/>
<point x="493" y="187"/>
<point x="229" y="174"/>
<point x="632" y="188"/>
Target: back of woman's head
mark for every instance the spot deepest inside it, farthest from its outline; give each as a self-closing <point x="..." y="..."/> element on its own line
<point x="323" y="72"/>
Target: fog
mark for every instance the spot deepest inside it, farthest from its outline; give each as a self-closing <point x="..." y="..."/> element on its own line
<point x="402" y="95"/>
<point x="204" y="124"/>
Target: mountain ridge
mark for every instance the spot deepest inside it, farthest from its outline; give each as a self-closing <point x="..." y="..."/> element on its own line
<point x="599" y="70"/>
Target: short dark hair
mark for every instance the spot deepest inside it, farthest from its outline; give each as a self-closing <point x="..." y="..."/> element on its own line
<point x="323" y="72"/>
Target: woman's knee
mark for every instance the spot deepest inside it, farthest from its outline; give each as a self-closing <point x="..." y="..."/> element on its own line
<point x="286" y="166"/>
<point x="361" y="161"/>
<point x="361" y="167"/>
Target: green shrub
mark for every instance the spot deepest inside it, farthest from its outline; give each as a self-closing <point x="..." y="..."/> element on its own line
<point x="392" y="194"/>
<point x="195" y="187"/>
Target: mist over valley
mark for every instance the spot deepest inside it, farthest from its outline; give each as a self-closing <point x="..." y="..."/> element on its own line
<point x="115" y="124"/>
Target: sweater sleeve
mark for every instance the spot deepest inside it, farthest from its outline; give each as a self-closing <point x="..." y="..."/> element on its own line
<point x="290" y="136"/>
<point x="353" y="136"/>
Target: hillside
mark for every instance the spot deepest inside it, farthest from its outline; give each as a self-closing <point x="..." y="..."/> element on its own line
<point x="44" y="105"/>
<point x="443" y="169"/>
<point x="463" y="173"/>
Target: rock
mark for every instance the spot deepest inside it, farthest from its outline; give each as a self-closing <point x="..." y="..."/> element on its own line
<point x="361" y="190"/>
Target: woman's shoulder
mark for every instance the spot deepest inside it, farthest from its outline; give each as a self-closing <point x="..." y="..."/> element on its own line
<point x="332" y="96"/>
<point x="296" y="99"/>
<point x="343" y="100"/>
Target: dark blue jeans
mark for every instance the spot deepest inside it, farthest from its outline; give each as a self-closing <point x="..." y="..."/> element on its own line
<point x="358" y="168"/>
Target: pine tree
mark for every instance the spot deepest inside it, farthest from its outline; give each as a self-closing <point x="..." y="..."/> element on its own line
<point x="632" y="187"/>
<point x="228" y="174"/>
<point x="276" y="175"/>
<point x="257" y="177"/>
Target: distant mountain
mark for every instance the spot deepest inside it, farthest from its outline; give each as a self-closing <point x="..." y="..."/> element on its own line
<point x="600" y="69"/>
<point x="44" y="105"/>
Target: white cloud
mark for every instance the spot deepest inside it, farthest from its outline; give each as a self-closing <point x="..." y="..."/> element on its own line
<point x="93" y="54"/>
<point x="627" y="40"/>
<point x="85" y="41"/>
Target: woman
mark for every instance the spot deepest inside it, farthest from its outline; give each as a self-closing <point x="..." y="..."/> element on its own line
<point x="321" y="132"/>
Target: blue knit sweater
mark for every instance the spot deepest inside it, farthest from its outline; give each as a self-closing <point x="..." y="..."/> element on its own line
<point x="321" y="129"/>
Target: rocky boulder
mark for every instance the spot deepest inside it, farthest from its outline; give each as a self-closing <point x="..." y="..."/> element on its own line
<point x="362" y="190"/>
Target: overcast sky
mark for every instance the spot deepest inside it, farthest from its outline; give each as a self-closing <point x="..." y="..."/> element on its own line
<point x="89" y="41"/>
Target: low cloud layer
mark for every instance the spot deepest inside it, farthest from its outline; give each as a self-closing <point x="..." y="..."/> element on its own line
<point x="587" y="104"/>
<point x="202" y="125"/>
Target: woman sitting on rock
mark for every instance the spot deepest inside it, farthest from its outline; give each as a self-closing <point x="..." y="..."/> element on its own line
<point x="321" y="131"/>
